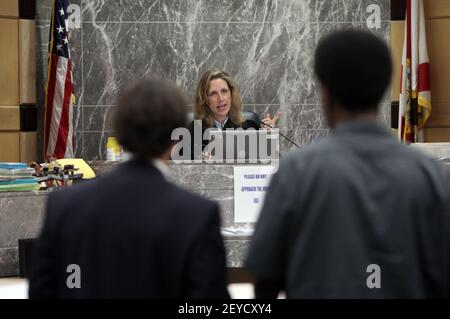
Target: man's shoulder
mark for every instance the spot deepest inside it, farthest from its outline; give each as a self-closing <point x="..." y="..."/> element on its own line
<point x="330" y="154"/>
<point x="81" y="190"/>
<point x="425" y="163"/>
<point x="314" y="151"/>
<point x="414" y="156"/>
<point x="85" y="190"/>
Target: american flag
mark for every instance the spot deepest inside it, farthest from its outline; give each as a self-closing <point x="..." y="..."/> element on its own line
<point x="59" y="137"/>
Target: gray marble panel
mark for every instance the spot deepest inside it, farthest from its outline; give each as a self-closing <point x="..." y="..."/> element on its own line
<point x="301" y="137"/>
<point x="383" y="32"/>
<point x="266" y="45"/>
<point x="98" y="118"/>
<point x="294" y="116"/>
<point x="41" y="79"/>
<point x="225" y="199"/>
<point x="101" y="167"/>
<point x="272" y="63"/>
<point x="211" y="10"/>
<point x="202" y="177"/>
<point x="22" y="215"/>
<point x="77" y="117"/>
<point x="125" y="10"/>
<point x="41" y="73"/>
<point x="384" y="114"/>
<point x="9" y="262"/>
<point x="94" y="145"/>
<point x="44" y="8"/>
<point x="42" y="29"/>
<point x="236" y="251"/>
<point x="308" y="116"/>
<point x="79" y="150"/>
<point x="359" y="10"/>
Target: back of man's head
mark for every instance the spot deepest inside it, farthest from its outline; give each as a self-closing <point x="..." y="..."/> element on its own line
<point x="147" y="113"/>
<point x="355" y="67"/>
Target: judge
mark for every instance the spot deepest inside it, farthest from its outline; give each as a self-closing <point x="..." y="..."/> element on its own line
<point x="218" y="105"/>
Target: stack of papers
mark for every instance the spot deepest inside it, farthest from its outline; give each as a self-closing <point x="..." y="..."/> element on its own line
<point x="16" y="177"/>
<point x="5" y="165"/>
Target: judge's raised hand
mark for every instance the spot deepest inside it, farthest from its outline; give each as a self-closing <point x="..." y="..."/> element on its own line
<point x="269" y="122"/>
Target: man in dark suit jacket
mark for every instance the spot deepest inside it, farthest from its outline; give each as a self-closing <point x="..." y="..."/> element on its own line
<point x="131" y="233"/>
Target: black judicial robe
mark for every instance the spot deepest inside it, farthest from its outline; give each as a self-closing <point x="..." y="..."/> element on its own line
<point x="228" y="125"/>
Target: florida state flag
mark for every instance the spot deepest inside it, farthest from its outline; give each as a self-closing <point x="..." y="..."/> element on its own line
<point x="415" y="94"/>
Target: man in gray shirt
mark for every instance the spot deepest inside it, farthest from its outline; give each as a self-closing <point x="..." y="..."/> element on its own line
<point x="356" y="215"/>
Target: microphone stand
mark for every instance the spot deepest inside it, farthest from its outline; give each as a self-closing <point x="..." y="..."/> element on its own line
<point x="282" y="135"/>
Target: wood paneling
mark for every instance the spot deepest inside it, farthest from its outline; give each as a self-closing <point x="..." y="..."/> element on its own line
<point x="9" y="118"/>
<point x="9" y="8"/>
<point x="9" y="62"/>
<point x="27" y="61"/>
<point x="438" y="125"/>
<point x="437" y="134"/>
<point x="28" y="147"/>
<point x="9" y="146"/>
<point x="397" y="35"/>
<point x="438" y="39"/>
<point x="440" y="115"/>
<point x="436" y="9"/>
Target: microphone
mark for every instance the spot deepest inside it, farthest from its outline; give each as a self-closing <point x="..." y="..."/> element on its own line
<point x="282" y="135"/>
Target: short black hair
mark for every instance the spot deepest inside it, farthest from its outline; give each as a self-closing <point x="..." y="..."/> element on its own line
<point x="355" y="66"/>
<point x="147" y="113"/>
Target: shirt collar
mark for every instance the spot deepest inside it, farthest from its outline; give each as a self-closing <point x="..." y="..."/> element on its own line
<point x="364" y="127"/>
<point x="161" y="166"/>
<point x="219" y="125"/>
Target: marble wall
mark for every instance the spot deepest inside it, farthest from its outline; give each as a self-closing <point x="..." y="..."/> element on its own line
<point x="21" y="216"/>
<point x="267" y="45"/>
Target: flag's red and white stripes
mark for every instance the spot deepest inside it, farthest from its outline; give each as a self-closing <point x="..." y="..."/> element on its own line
<point x="59" y="99"/>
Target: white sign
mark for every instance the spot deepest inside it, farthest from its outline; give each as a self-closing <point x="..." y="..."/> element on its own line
<point x="250" y="187"/>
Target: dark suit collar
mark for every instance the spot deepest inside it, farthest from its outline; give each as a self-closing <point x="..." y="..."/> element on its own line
<point x="230" y="124"/>
<point x="139" y="166"/>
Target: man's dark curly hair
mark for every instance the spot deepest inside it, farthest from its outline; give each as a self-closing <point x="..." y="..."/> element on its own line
<point x="355" y="66"/>
<point x="147" y="113"/>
